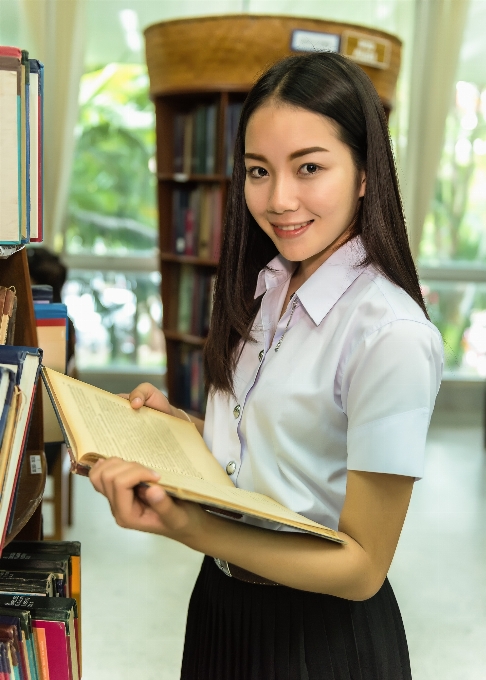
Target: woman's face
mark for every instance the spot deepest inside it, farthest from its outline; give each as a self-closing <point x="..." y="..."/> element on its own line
<point x="302" y="186"/>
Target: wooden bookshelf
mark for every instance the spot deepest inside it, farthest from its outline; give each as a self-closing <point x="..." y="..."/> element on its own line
<point x="214" y="61"/>
<point x="27" y="522"/>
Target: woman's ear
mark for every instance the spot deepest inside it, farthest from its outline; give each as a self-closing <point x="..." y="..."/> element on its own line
<point x="362" y="185"/>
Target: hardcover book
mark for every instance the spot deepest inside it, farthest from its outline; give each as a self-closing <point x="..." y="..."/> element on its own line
<point x="97" y="424"/>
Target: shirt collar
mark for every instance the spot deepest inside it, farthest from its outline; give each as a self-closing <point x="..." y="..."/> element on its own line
<point x="328" y="283"/>
<point x="274" y="274"/>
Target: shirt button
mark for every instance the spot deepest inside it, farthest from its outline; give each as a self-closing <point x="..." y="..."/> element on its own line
<point x="231" y="467"/>
<point x="261" y="355"/>
<point x="237" y="411"/>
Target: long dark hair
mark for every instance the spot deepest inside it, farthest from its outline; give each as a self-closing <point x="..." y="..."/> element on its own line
<point x="335" y="87"/>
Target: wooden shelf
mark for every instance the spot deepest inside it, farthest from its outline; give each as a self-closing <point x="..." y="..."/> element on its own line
<point x="184" y="337"/>
<point x="188" y="259"/>
<point x="27" y="522"/>
<point x="181" y="178"/>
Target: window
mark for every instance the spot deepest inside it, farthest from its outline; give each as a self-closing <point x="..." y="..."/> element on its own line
<point x="113" y="288"/>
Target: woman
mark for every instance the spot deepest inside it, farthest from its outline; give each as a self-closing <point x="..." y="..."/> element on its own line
<point x="323" y="370"/>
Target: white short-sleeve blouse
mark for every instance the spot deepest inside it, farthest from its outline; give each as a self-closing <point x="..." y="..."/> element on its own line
<point x="351" y="386"/>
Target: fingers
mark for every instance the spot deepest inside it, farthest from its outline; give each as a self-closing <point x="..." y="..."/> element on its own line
<point x="148" y="395"/>
<point x="147" y="508"/>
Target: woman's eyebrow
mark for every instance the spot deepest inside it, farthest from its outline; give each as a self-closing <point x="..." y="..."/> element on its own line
<point x="304" y="152"/>
<point x="295" y="154"/>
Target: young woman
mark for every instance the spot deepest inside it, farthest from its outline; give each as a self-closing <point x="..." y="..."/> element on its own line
<point x="323" y="370"/>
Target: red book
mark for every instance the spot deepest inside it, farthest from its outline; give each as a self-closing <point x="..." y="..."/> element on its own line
<point x="58" y="656"/>
<point x="10" y="52"/>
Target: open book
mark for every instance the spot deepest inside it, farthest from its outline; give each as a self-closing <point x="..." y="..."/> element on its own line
<point x="97" y="424"/>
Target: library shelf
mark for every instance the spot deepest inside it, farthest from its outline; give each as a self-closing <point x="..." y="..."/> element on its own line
<point x="184" y="337"/>
<point x="200" y="71"/>
<point x="27" y="521"/>
<point x="188" y="259"/>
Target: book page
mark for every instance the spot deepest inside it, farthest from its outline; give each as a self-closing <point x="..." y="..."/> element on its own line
<point x="105" y="424"/>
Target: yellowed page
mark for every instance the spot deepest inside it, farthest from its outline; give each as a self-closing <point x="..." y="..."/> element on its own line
<point x="105" y="424"/>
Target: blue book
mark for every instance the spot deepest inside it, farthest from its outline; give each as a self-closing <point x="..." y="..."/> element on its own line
<point x="25" y="150"/>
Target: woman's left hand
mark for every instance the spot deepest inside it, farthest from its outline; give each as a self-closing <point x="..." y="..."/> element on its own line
<point x="145" y="508"/>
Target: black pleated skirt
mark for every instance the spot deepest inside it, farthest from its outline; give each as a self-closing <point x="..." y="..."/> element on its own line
<point x="241" y="631"/>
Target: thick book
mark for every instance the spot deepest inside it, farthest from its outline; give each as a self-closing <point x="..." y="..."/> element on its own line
<point x="10" y="136"/>
<point x="98" y="424"/>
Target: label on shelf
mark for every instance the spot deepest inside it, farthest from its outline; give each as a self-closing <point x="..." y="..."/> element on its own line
<point x="314" y="41"/>
<point x="35" y="465"/>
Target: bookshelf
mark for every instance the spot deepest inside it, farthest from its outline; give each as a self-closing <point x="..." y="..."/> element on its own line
<point x="27" y="523"/>
<point x="209" y="64"/>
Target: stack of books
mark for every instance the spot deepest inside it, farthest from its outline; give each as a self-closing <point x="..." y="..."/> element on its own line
<point x="21" y="149"/>
<point x="40" y="611"/>
<point x="19" y="372"/>
<point x="197" y="221"/>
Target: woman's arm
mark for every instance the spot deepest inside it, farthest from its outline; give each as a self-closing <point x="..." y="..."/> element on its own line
<point x="371" y="522"/>
<point x="148" y="395"/>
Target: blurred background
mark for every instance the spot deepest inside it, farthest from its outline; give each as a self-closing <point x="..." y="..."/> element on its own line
<point x="101" y="219"/>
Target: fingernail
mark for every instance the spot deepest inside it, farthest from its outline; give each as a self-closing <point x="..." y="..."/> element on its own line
<point x="136" y="402"/>
<point x="155" y="475"/>
<point x="157" y="494"/>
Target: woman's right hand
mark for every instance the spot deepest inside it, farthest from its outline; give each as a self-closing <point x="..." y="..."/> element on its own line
<point x="146" y="394"/>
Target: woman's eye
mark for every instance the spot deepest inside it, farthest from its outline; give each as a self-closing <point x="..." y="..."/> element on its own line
<point x="256" y="172"/>
<point x="309" y="169"/>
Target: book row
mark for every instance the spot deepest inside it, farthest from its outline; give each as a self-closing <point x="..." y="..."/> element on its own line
<point x="197" y="221"/>
<point x="21" y="148"/>
<point x="196" y="290"/>
<point x="195" y="140"/>
<point x="40" y="611"/>
<point x="191" y="393"/>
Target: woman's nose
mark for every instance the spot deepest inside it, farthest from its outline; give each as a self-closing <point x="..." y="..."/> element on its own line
<point x="283" y="196"/>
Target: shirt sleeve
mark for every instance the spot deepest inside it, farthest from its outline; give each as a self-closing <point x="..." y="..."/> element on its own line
<point x="388" y="390"/>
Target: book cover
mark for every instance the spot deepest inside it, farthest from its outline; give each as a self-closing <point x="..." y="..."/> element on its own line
<point x="25" y="149"/>
<point x="34" y="149"/>
<point x="10" y="132"/>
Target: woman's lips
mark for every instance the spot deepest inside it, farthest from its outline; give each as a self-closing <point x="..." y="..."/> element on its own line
<point x="291" y="230"/>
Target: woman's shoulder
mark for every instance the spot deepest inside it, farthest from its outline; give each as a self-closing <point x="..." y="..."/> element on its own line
<point x="379" y="307"/>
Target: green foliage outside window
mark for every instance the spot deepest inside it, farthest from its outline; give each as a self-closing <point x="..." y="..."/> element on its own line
<point x="112" y="198"/>
<point x="455" y="233"/>
<point x="455" y="227"/>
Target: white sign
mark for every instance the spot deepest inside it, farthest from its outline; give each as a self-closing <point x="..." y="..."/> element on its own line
<point x="35" y="465"/>
<point x="313" y="41"/>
